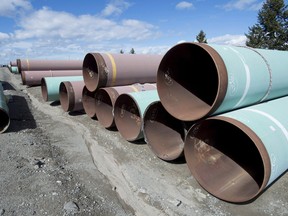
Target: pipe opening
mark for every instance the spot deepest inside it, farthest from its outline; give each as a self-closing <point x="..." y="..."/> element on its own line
<point x="66" y="96"/>
<point x="88" y="101"/>
<point x="188" y="81"/>
<point x="163" y="133"/>
<point x="127" y="117"/>
<point x="226" y="160"/>
<point x="44" y="89"/>
<point x="104" y="108"/>
<point x="5" y="120"/>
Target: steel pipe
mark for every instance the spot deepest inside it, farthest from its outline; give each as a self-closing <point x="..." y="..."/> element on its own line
<point x="33" y="78"/>
<point x="70" y="93"/>
<point x="106" y="69"/>
<point x="14" y="69"/>
<point x="195" y="80"/>
<point x="105" y="99"/>
<point x="89" y="102"/>
<point x="128" y="113"/>
<point x="48" y="64"/>
<point x="163" y="133"/>
<point x="236" y="155"/>
<point x="4" y="111"/>
<point x="50" y="86"/>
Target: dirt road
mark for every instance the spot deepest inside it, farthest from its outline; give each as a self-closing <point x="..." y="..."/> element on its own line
<point x="59" y="163"/>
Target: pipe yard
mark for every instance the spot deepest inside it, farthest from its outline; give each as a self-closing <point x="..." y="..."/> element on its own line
<point x="200" y="130"/>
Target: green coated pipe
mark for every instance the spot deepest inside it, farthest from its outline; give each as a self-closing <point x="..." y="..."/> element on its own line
<point x="195" y="80"/>
<point x="236" y="155"/>
<point x="4" y="111"/>
<point x="14" y="69"/>
<point x="50" y="86"/>
<point x="128" y="112"/>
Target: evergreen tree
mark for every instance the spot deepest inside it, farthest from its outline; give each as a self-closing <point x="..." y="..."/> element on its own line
<point x="271" y="31"/>
<point x="132" y="51"/>
<point x="201" y="37"/>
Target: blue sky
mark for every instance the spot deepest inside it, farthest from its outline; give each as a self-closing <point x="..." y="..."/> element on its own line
<point x="69" y="29"/>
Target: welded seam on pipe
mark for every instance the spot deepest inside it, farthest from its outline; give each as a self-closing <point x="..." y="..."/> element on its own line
<point x="114" y="70"/>
<point x="248" y="77"/>
<point x="270" y="73"/>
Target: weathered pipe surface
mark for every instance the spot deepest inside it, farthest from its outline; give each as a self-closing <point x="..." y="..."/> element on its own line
<point x="89" y="102"/>
<point x="106" y="97"/>
<point x="128" y="113"/>
<point x="236" y="155"/>
<point x="106" y="70"/>
<point x="195" y="80"/>
<point x="50" y="86"/>
<point x="48" y="64"/>
<point x="163" y="133"/>
<point x="33" y="78"/>
<point x="4" y="111"/>
<point x="13" y="63"/>
<point x="71" y="95"/>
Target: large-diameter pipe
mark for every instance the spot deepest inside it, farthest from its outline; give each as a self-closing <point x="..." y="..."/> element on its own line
<point x="195" y="80"/>
<point x="48" y="64"/>
<point x="106" y="97"/>
<point x="89" y="102"/>
<point x="236" y="155"/>
<point x="128" y="113"/>
<point x="4" y="111"/>
<point x="163" y="133"/>
<point x="106" y="69"/>
<point x="71" y="95"/>
<point x="50" y="86"/>
<point x="33" y="78"/>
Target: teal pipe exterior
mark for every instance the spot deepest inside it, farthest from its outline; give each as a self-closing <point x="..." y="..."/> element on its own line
<point x="4" y="111"/>
<point x="236" y="155"/>
<point x="14" y="69"/>
<point x="128" y="112"/>
<point x="195" y="80"/>
<point x="50" y="86"/>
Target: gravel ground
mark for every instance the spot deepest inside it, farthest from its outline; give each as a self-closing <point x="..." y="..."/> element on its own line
<point x="58" y="163"/>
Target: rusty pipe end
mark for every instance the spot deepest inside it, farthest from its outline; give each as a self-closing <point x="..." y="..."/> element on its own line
<point x="94" y="71"/>
<point x="191" y="81"/>
<point x="228" y="159"/>
<point x="105" y="100"/>
<point x="88" y="101"/>
<point x="127" y="117"/>
<point x="23" y="77"/>
<point x="44" y="89"/>
<point x="5" y="120"/>
<point x="66" y="96"/>
<point x="163" y="133"/>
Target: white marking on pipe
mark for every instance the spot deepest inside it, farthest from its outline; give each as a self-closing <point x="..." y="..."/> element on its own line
<point x="282" y="128"/>
<point x="248" y="77"/>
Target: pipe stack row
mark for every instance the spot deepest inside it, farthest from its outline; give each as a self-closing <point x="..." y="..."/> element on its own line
<point x="223" y="108"/>
<point x="33" y="70"/>
<point x="237" y="99"/>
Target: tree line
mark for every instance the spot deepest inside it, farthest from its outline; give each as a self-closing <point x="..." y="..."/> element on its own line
<point x="271" y="29"/>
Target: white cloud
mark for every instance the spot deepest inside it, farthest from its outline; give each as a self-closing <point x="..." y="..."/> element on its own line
<point x="115" y="7"/>
<point x="228" y="40"/>
<point x="46" y="23"/>
<point x="184" y="5"/>
<point x="3" y="36"/>
<point x="10" y="8"/>
<point x="243" y="5"/>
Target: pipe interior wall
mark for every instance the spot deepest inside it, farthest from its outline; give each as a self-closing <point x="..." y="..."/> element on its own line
<point x="236" y="155"/>
<point x="128" y="113"/>
<point x="163" y="133"/>
<point x="89" y="102"/>
<point x="196" y="80"/>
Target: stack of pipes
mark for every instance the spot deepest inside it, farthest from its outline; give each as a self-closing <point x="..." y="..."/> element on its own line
<point x="108" y="76"/>
<point x="4" y="111"/>
<point x="236" y="101"/>
<point x="33" y="70"/>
